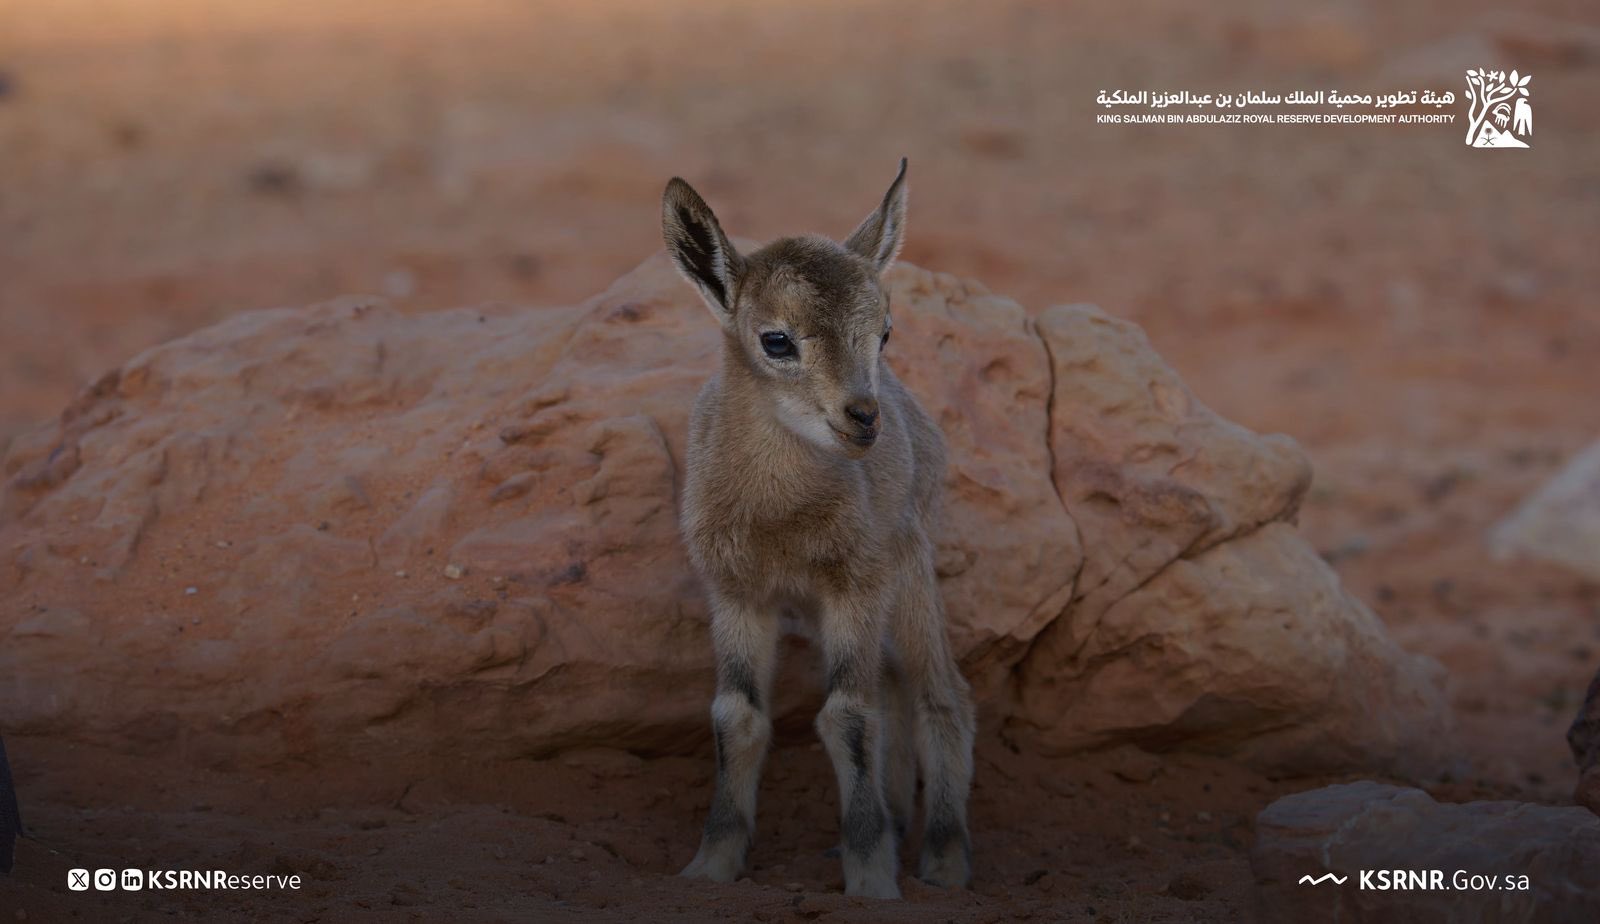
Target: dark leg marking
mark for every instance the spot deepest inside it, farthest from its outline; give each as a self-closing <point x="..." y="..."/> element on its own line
<point x="847" y="674"/>
<point x="722" y="749"/>
<point x="838" y="675"/>
<point x="738" y="676"/>
<point x="941" y="832"/>
<point x="864" y="821"/>
<point x="855" y="736"/>
<point x="724" y="821"/>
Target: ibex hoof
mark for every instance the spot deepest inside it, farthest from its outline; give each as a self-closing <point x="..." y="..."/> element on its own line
<point x="874" y="887"/>
<point x="951" y="871"/>
<point x="715" y="867"/>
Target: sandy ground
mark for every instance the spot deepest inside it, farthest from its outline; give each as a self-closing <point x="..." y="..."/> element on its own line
<point x="1418" y="314"/>
<point x="595" y="835"/>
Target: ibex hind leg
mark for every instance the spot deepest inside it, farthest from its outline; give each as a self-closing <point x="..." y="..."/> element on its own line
<point x="900" y="760"/>
<point x="945" y="727"/>
<point x="746" y="648"/>
<point x="851" y="725"/>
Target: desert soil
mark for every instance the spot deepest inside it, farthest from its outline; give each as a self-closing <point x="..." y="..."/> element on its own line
<point x="1418" y="314"/>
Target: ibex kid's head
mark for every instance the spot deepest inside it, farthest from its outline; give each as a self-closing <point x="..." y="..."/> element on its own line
<point x="808" y="316"/>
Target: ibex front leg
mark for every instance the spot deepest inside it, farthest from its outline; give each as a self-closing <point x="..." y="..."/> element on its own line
<point x="746" y="641"/>
<point x="851" y="724"/>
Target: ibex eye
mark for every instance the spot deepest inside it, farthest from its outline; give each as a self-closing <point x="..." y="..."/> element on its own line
<point x="885" y="341"/>
<point x="777" y="344"/>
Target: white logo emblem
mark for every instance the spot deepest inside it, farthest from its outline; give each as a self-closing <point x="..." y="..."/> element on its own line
<point x="1498" y="112"/>
<point x="78" y="880"/>
<point x="1325" y="877"/>
<point x="105" y="880"/>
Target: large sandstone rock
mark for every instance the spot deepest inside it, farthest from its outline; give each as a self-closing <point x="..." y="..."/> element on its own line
<point x="342" y="531"/>
<point x="1560" y="522"/>
<point x="1356" y="827"/>
<point x="1198" y="615"/>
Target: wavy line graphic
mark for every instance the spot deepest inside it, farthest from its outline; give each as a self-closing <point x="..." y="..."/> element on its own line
<point x="1338" y="880"/>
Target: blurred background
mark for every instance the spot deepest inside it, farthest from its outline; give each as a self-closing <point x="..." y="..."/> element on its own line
<point x="1419" y="314"/>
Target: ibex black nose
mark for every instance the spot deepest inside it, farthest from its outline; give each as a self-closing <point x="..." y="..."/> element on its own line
<point x="863" y="411"/>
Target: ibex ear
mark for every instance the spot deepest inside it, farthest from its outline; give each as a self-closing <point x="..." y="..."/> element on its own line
<point x="699" y="248"/>
<point x="879" y="237"/>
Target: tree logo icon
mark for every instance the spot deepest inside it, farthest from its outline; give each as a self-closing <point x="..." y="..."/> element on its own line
<point x="1498" y="112"/>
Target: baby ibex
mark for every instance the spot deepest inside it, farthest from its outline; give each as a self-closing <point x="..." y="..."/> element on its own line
<point x="812" y="484"/>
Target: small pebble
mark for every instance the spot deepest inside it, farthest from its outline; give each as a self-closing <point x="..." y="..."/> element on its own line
<point x="223" y="543"/>
<point x="191" y="591"/>
<point x="454" y="572"/>
<point x="794" y="887"/>
<point x="1202" y="816"/>
<point x="401" y="573"/>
